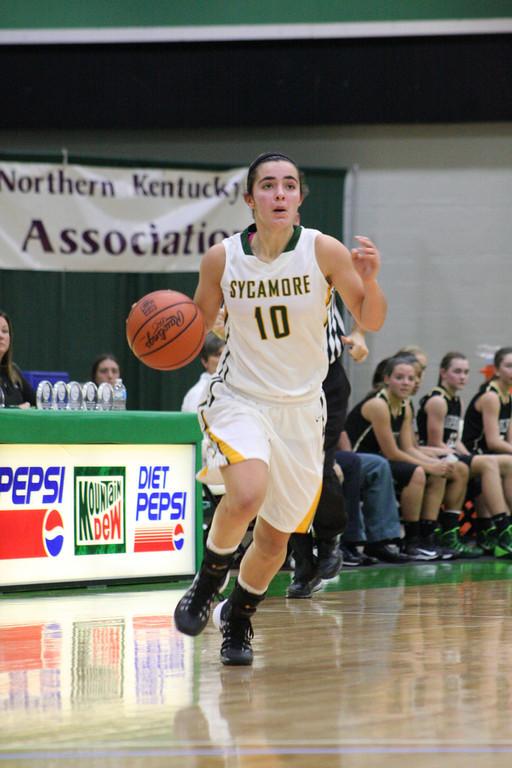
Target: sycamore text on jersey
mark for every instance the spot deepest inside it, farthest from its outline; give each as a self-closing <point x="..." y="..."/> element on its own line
<point x="283" y="286"/>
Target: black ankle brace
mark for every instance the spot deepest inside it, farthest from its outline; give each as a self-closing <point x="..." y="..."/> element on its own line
<point x="243" y="602"/>
<point x="216" y="565"/>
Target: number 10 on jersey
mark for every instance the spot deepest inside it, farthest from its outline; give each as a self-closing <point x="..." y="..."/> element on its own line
<point x="276" y="318"/>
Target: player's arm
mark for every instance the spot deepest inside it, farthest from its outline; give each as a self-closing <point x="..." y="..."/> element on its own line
<point x="436" y="410"/>
<point x="208" y="295"/>
<point x="490" y="409"/>
<point x="354" y="275"/>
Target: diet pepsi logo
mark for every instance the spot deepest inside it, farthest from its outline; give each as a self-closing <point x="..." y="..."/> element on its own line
<point x="53" y="533"/>
<point x="178" y="538"/>
<point x="160" y="510"/>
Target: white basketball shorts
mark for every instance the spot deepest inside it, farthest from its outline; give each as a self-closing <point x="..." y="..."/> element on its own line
<point x="287" y="437"/>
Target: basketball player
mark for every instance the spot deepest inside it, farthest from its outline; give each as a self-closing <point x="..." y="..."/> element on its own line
<point x="488" y="430"/>
<point x="439" y="421"/>
<point x="448" y="539"/>
<point x="420" y="366"/>
<point x="382" y="423"/>
<point x="264" y="413"/>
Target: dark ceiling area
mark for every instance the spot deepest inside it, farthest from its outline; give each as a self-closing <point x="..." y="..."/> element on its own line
<point x="269" y="83"/>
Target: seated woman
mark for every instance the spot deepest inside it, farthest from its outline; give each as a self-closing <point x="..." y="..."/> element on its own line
<point x="488" y="430"/>
<point x="105" y="368"/>
<point x="15" y="388"/>
<point x="382" y="423"/>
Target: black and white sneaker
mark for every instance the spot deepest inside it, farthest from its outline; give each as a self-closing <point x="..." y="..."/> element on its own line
<point x="444" y="553"/>
<point x="237" y="633"/>
<point x="193" y="610"/>
<point x="447" y="553"/>
<point x="418" y="550"/>
<point x="351" y="556"/>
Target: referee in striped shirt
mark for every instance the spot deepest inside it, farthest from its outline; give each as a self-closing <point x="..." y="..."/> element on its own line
<point x="330" y="519"/>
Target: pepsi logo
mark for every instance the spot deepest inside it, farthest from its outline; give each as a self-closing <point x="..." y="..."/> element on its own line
<point x="53" y="533"/>
<point x="178" y="538"/>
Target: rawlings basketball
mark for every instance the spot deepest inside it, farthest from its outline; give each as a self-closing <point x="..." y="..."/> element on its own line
<point x="165" y="330"/>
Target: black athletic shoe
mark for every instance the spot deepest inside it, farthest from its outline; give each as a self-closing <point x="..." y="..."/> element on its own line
<point x="386" y="552"/>
<point x="444" y="552"/>
<point x="417" y="550"/>
<point x="236" y="650"/>
<point x="304" y="588"/>
<point x="330" y="559"/>
<point x="193" y="610"/>
<point x="368" y="559"/>
<point x="351" y="556"/>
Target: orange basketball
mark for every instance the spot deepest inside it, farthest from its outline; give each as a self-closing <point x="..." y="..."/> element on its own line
<point x="165" y="330"/>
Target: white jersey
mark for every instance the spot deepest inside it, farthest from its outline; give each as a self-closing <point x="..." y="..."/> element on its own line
<point x="276" y="346"/>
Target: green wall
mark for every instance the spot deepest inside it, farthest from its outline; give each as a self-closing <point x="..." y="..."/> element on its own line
<point x="33" y="14"/>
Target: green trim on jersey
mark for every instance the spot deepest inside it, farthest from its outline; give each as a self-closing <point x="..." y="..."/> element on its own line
<point x="251" y="229"/>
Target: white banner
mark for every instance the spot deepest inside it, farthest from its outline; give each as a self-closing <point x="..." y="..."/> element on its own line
<point x="65" y="217"/>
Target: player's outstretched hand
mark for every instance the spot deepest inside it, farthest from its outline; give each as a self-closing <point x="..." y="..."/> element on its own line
<point x="366" y="258"/>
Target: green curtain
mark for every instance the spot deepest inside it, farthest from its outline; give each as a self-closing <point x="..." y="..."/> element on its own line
<point x="62" y="320"/>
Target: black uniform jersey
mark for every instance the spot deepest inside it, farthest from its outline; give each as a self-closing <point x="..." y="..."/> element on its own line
<point x="451" y="420"/>
<point x="16" y="394"/>
<point x="473" y="433"/>
<point x="360" y="430"/>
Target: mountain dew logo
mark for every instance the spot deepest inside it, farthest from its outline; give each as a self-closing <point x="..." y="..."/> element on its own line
<point x="100" y="510"/>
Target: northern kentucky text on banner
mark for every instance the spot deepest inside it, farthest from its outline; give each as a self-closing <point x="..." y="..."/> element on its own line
<point x="66" y="217"/>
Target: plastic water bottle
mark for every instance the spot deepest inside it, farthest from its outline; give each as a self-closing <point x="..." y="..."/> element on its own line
<point x="119" y="403"/>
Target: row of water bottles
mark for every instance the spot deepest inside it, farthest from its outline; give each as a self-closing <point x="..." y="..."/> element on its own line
<point x="73" y="396"/>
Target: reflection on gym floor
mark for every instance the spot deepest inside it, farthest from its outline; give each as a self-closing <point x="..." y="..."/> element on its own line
<point x="88" y="669"/>
<point x="345" y="680"/>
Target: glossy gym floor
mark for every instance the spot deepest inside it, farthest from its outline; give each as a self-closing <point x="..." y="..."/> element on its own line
<point x="387" y="666"/>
